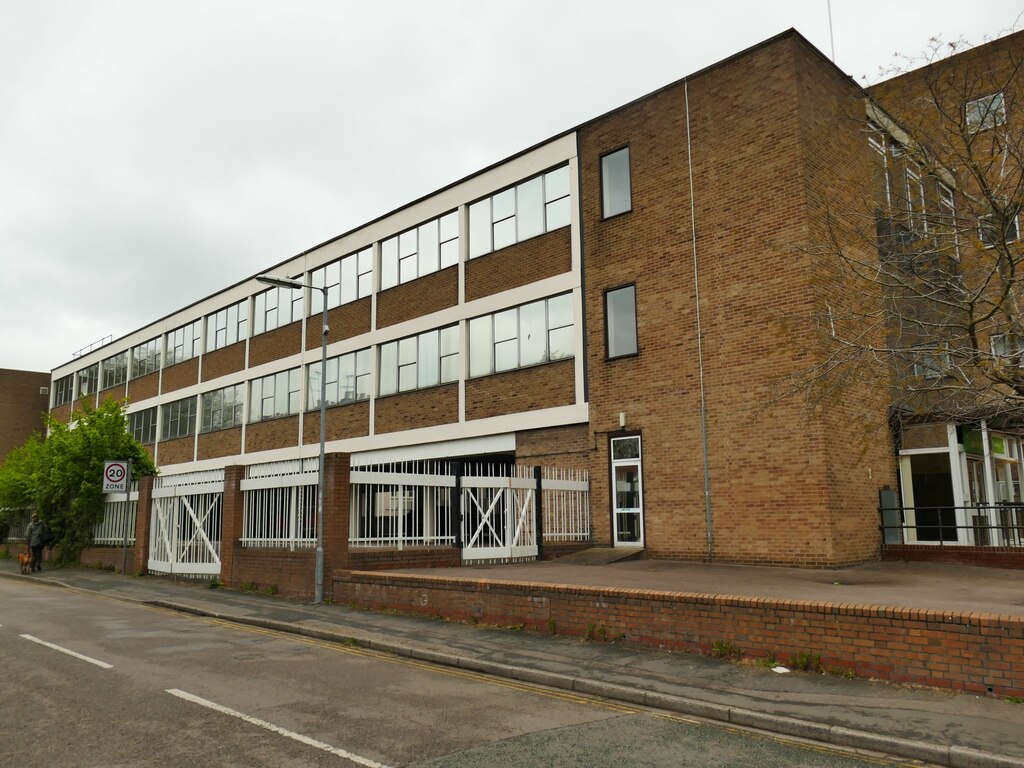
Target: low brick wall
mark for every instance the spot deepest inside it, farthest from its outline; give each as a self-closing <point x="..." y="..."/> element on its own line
<point x="974" y="652"/>
<point x="389" y="558"/>
<point x="275" y="571"/>
<point x="990" y="557"/>
<point x="105" y="557"/>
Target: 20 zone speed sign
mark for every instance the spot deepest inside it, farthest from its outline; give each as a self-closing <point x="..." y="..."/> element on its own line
<point x="115" y="476"/>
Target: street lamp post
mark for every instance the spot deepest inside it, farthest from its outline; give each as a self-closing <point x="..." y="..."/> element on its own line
<point x="287" y="282"/>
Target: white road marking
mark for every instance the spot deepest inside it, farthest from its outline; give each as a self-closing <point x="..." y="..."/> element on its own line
<point x="97" y="662"/>
<point x="276" y="729"/>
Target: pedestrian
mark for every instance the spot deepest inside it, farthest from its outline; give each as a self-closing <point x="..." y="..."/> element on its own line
<point x="35" y="536"/>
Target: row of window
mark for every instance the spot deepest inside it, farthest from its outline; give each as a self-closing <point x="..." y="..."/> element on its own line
<point x="533" y="333"/>
<point x="529" y="334"/>
<point x="535" y="206"/>
<point x="934" y="361"/>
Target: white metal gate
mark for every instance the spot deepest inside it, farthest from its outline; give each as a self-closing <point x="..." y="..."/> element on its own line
<point x="499" y="518"/>
<point x="185" y="528"/>
<point x="411" y="504"/>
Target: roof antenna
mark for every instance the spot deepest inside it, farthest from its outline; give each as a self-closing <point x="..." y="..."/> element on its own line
<point x="831" y="38"/>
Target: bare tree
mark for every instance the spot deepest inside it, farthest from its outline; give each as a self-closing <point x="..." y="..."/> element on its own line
<point x="926" y="293"/>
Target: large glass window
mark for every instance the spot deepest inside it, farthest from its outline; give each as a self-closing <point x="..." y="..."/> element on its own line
<point x="998" y="229"/>
<point x="347" y="279"/>
<point x="184" y="343"/>
<point x="616" y="195"/>
<point x="223" y="408"/>
<point x="276" y="307"/>
<point x="535" y="206"/>
<point x="142" y="425"/>
<point x="179" y="418"/>
<point x="420" y="251"/>
<point x="64" y="390"/>
<point x="88" y="380"/>
<point x="417" y="362"/>
<point x="348" y="379"/>
<point x="986" y="112"/>
<point x="620" y="321"/>
<point x="146" y="358"/>
<point x="275" y="395"/>
<point x="227" y="326"/>
<point x="114" y="370"/>
<point x="931" y="361"/>
<point x="532" y="333"/>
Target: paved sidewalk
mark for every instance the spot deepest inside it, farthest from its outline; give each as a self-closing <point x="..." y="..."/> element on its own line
<point x="940" y="727"/>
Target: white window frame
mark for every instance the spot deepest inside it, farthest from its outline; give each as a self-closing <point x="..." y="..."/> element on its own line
<point x="210" y="404"/>
<point x="291" y="379"/>
<point x="985" y="112"/>
<point x="348" y="279"/>
<point x="931" y="361"/>
<point x="403" y="258"/>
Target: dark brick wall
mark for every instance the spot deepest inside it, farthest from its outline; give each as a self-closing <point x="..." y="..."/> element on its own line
<point x="267" y="435"/>
<point x="524" y="389"/>
<point x="275" y="344"/>
<point x="431" y="293"/>
<point x="180" y="375"/>
<point x="223" y="361"/>
<point x="520" y="264"/>
<point x="420" y="408"/>
<point x="21" y="407"/>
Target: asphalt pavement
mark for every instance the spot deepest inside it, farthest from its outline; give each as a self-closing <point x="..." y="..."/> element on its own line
<point x="939" y="727"/>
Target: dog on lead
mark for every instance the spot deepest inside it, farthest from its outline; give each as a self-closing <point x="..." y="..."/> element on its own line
<point x="25" y="561"/>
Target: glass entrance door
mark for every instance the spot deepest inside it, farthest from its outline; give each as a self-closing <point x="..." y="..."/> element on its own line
<point x="627" y="492"/>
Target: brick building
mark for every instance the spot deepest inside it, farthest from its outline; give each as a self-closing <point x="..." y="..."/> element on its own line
<point x="23" y="401"/>
<point x="616" y="300"/>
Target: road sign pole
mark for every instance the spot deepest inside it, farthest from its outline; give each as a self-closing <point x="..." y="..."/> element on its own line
<point x="127" y="506"/>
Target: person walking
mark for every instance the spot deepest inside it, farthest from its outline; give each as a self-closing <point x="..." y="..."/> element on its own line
<point x="35" y="536"/>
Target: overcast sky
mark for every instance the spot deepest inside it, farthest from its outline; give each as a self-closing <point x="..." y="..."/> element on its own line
<point x="152" y="153"/>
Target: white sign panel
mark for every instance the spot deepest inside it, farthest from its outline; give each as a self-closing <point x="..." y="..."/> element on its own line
<point x="115" y="476"/>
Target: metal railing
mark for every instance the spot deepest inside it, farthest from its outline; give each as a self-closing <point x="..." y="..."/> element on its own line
<point x="118" y="518"/>
<point x="280" y="505"/>
<point x="1000" y="525"/>
<point x="402" y="504"/>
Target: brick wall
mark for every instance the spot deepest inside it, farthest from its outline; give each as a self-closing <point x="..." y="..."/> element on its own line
<point x="525" y="389"/>
<point x="970" y="652"/>
<point x="62" y="412"/>
<point x="991" y="557"/>
<point x="223" y="442"/>
<point x="431" y="293"/>
<point x="21" y="407"/>
<point x="343" y="421"/>
<point x="267" y="435"/>
<point x="109" y="558"/>
<point x="386" y="558"/>
<point x="177" y="451"/>
<point x="421" y="408"/>
<point x="223" y="361"/>
<point x="144" y="387"/>
<point x="275" y="344"/>
<point x="788" y="486"/>
<point x="345" y="321"/>
<point x="520" y="264"/>
<point x="180" y="375"/>
<point x="119" y="392"/>
<point x="566" y="447"/>
<point x="274" y="571"/>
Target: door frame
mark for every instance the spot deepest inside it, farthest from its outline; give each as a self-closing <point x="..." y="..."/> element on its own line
<point x="613" y="464"/>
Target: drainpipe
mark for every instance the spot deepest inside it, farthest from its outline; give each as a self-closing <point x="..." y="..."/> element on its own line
<point x="700" y="347"/>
